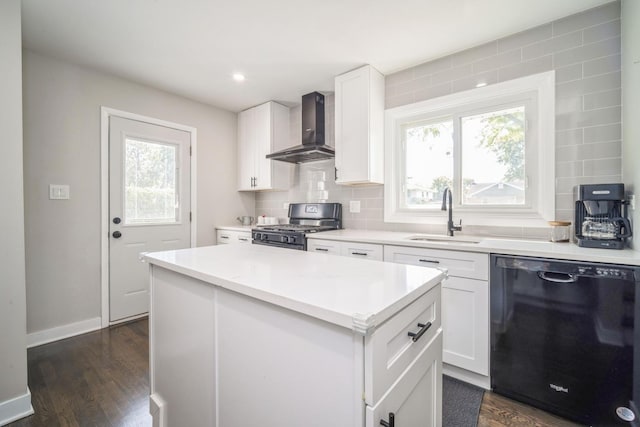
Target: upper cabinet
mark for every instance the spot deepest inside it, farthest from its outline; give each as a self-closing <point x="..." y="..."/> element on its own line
<point x="261" y="131"/>
<point x="359" y="121"/>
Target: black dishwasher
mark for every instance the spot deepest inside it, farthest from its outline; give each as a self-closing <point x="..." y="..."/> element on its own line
<point x="562" y="336"/>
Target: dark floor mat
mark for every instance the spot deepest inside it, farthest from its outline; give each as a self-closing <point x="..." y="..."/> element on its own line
<point x="460" y="403"/>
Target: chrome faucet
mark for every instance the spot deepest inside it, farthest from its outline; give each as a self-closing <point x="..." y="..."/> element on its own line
<point x="450" y="227"/>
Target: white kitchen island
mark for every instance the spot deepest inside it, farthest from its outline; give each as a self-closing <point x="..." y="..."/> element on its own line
<point x="256" y="336"/>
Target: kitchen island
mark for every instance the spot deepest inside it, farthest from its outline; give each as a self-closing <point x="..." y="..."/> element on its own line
<point x="247" y="335"/>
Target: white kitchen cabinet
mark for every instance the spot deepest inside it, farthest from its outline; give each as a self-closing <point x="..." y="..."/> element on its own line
<point x="262" y="364"/>
<point x="324" y="246"/>
<point x="232" y="236"/>
<point x="351" y="249"/>
<point x="359" y="127"/>
<point x="261" y="131"/>
<point x="465" y="303"/>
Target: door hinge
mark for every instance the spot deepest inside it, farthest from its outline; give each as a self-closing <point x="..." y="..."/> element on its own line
<point x="190" y="151"/>
<point x="190" y="217"/>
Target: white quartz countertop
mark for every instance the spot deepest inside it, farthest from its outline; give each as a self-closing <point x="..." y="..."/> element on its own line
<point x="537" y="248"/>
<point x="353" y="293"/>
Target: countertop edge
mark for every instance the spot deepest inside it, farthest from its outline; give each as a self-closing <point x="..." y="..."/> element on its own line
<point x="489" y="245"/>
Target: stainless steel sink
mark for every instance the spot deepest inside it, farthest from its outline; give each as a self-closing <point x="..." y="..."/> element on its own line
<point x="443" y="239"/>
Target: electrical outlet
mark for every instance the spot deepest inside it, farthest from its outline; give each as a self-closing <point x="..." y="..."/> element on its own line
<point x="632" y="201"/>
<point x="58" y="192"/>
<point x="285" y="205"/>
<point x="354" y="206"/>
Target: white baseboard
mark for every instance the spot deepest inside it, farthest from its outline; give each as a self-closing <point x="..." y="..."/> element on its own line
<point x="65" y="331"/>
<point x="467" y="376"/>
<point x="16" y="408"/>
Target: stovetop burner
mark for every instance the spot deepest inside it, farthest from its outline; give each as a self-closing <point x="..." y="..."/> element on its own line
<point x="303" y="228"/>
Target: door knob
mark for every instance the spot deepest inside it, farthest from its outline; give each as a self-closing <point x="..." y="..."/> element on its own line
<point x="116" y="220"/>
<point x="117" y="234"/>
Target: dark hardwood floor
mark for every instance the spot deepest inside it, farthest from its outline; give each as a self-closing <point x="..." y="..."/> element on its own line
<point x="102" y="379"/>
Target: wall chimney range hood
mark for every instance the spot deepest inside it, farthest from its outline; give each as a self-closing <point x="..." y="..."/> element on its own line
<point x="312" y="147"/>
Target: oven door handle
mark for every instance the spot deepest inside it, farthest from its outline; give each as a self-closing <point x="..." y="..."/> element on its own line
<point x="550" y="276"/>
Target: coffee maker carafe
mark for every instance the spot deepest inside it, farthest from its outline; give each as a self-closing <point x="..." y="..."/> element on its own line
<point x="601" y="216"/>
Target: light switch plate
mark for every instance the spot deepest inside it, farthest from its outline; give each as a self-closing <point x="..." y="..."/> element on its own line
<point x="632" y="201"/>
<point x="354" y="206"/>
<point x="58" y="192"/>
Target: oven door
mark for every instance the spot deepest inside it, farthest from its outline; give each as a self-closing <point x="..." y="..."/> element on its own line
<point x="279" y="239"/>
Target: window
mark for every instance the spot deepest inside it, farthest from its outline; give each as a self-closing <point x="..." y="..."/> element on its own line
<point x="492" y="146"/>
<point x="150" y="183"/>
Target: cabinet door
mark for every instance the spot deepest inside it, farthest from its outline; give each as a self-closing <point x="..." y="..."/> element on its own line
<point x="323" y="246"/>
<point x="224" y="237"/>
<point x="359" y="116"/>
<point x="245" y="151"/>
<point x="362" y="250"/>
<point x="262" y="135"/>
<point x="465" y="322"/>
<point x="460" y="264"/>
<point x="416" y="398"/>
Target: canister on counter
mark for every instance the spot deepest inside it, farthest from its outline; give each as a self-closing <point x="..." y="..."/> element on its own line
<point x="560" y="231"/>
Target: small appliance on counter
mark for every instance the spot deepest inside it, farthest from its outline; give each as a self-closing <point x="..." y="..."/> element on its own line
<point x="601" y="216"/>
<point x="303" y="218"/>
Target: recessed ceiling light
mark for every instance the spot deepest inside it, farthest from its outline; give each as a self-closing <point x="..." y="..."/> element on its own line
<point x="481" y="84"/>
<point x="238" y="77"/>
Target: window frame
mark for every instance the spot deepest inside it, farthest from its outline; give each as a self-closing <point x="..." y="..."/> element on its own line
<point x="538" y="91"/>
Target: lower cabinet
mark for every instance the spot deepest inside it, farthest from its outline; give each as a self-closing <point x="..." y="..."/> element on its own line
<point x="352" y="249"/>
<point x="232" y="236"/>
<point x="254" y="364"/>
<point x="465" y="302"/>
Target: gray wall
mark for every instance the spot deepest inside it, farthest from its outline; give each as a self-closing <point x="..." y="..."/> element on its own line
<point x="13" y="347"/>
<point x="583" y="49"/>
<point x="631" y="104"/>
<point x="62" y="146"/>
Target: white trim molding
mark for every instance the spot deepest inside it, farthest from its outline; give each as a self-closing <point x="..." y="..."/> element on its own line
<point x="538" y="92"/>
<point x="65" y="331"/>
<point x="105" y="114"/>
<point x="16" y="408"/>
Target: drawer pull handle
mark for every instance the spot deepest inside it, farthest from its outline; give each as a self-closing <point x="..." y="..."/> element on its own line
<point x="322" y="249"/>
<point x="430" y="261"/>
<point x="224" y="237"/>
<point x="391" y="422"/>
<point x="415" y="336"/>
<point x="359" y="253"/>
<point x="243" y="239"/>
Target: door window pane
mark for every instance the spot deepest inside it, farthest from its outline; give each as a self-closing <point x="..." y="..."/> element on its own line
<point x="150" y="184"/>
<point x="428" y="163"/>
<point x="493" y="158"/>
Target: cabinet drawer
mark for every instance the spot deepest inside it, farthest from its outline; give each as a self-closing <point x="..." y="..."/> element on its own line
<point x="416" y="398"/>
<point x="460" y="264"/>
<point x="390" y="349"/>
<point x="362" y="250"/>
<point x="230" y="236"/>
<point x="323" y="246"/>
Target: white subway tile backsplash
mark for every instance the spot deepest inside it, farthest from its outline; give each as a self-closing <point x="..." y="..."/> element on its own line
<point x="584" y="51"/>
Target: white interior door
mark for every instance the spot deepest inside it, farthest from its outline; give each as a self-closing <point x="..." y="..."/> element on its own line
<point x="149" y="206"/>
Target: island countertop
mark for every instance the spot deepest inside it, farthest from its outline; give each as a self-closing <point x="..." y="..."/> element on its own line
<point x="352" y="293"/>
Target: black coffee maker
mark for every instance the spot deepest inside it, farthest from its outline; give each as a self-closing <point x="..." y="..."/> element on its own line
<point x="601" y="216"/>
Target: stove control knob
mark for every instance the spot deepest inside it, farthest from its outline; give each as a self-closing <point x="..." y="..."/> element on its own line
<point x="256" y="236"/>
<point x="284" y="239"/>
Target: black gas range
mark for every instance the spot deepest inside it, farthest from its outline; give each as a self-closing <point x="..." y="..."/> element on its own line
<point x="304" y="218"/>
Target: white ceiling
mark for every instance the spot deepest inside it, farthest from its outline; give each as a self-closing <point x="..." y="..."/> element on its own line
<point x="286" y="48"/>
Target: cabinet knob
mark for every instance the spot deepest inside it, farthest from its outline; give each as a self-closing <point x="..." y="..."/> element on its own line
<point x="117" y="234"/>
<point x="391" y="422"/>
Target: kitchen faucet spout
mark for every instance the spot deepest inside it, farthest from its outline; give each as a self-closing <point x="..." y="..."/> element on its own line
<point x="446" y="196"/>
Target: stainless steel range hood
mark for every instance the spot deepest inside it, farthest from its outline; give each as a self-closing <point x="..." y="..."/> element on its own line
<point x="312" y="147"/>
